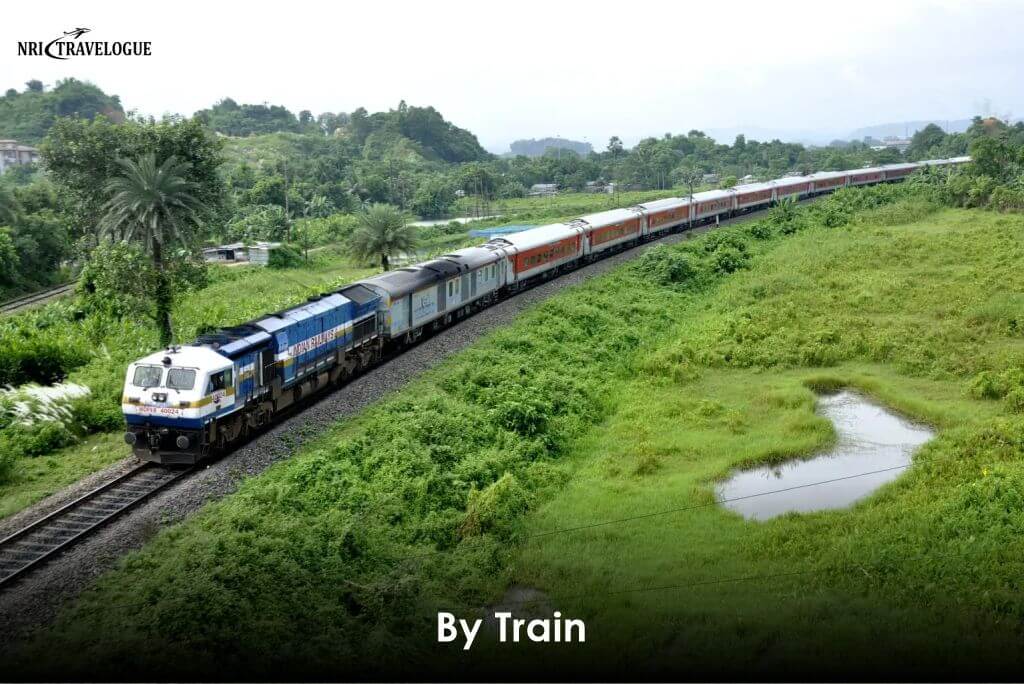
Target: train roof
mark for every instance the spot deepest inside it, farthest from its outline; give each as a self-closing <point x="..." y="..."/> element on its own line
<point x="709" y="195"/>
<point x="752" y="187"/>
<point x="789" y="180"/>
<point x="610" y="217"/>
<point x="474" y="257"/>
<point x="536" y="237"/>
<point x="663" y="204"/>
<point x="822" y="175"/>
<point x="867" y="169"/>
<point x="446" y="268"/>
<point x="187" y="356"/>
<point x="360" y="294"/>
<point x="402" y="281"/>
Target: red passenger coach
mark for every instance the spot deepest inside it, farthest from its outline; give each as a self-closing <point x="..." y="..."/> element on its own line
<point x="894" y="171"/>
<point x="864" y="176"/>
<point x="539" y="250"/>
<point x="753" y="195"/>
<point x="608" y="229"/>
<point x="539" y="257"/>
<point x="829" y="180"/>
<point x="791" y="187"/>
<point x="665" y="214"/>
<point x="713" y="203"/>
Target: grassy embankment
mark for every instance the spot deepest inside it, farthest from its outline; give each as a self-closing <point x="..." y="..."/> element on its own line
<point x="632" y="395"/>
<point x="95" y="349"/>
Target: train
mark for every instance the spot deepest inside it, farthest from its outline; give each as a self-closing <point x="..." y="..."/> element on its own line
<point x="186" y="402"/>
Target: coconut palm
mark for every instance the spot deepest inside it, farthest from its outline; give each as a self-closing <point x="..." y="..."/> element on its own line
<point x="383" y="231"/>
<point x="154" y="205"/>
<point x="9" y="207"/>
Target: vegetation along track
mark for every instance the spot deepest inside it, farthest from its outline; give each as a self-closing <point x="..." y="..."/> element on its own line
<point x="25" y="301"/>
<point x="48" y="536"/>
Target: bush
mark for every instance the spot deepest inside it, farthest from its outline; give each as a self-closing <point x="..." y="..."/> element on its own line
<point x="667" y="266"/>
<point x="496" y="508"/>
<point x="729" y="259"/>
<point x="285" y="256"/>
<point x="8" y="463"/>
<point x="37" y="439"/>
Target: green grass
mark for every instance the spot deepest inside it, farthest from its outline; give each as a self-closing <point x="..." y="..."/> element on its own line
<point x="598" y="405"/>
<point x="37" y="478"/>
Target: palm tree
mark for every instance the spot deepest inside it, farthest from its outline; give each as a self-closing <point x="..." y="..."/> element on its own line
<point x="152" y="203"/>
<point x="383" y="231"/>
<point x="9" y="207"/>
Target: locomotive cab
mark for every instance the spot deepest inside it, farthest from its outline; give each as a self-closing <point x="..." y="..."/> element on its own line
<point x="169" y="398"/>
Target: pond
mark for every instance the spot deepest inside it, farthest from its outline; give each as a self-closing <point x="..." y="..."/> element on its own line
<point x="873" y="447"/>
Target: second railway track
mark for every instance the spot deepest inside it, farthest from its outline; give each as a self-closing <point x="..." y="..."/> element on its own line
<point x="43" y="539"/>
<point x="19" y="303"/>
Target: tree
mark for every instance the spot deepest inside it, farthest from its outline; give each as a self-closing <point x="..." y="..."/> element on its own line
<point x="82" y="156"/>
<point x="924" y="140"/>
<point x="9" y="207"/>
<point x="991" y="157"/>
<point x="383" y="231"/>
<point x="34" y="86"/>
<point x="434" y="197"/>
<point x="154" y="204"/>
<point x="729" y="182"/>
<point x="615" y="146"/>
<point x="690" y="177"/>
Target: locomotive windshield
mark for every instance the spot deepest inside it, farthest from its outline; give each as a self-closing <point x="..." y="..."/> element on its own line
<point x="181" y="378"/>
<point x="147" y="376"/>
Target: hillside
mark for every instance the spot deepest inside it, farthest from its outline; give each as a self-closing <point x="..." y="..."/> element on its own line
<point x="407" y="133"/>
<point x="28" y="115"/>
<point x="908" y="128"/>
<point x="537" y="148"/>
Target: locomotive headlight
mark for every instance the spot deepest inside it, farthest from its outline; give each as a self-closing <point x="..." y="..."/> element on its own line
<point x="130" y="438"/>
<point x="182" y="442"/>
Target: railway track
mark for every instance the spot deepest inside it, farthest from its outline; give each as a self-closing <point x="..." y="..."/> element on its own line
<point x="24" y="301"/>
<point x="43" y="539"/>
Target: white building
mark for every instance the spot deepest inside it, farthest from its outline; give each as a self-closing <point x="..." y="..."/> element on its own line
<point x="541" y="189"/>
<point x="11" y="154"/>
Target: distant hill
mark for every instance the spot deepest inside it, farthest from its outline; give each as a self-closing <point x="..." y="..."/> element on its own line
<point x="230" y="118"/>
<point x="28" y="115"/>
<point x="406" y="132"/>
<point x="537" y="148"/>
<point x="908" y="128"/>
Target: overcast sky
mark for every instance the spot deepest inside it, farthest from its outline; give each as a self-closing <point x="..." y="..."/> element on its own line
<point x="585" y="70"/>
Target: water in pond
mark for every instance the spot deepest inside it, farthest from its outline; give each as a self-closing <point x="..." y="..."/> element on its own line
<point x="869" y="438"/>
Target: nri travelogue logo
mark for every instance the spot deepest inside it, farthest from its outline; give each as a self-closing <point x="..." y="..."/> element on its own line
<point x="70" y="44"/>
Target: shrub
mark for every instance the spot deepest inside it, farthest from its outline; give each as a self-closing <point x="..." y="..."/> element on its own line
<point x="667" y="266"/>
<point x="8" y="463"/>
<point x="285" y="256"/>
<point x="37" y="439"/>
<point x="496" y="508"/>
<point x="729" y="260"/>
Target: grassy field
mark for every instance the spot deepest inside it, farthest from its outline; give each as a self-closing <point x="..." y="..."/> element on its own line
<point x="104" y="346"/>
<point x="597" y="406"/>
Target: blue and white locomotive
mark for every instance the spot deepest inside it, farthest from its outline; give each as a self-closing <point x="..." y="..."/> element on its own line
<point x="182" y="402"/>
